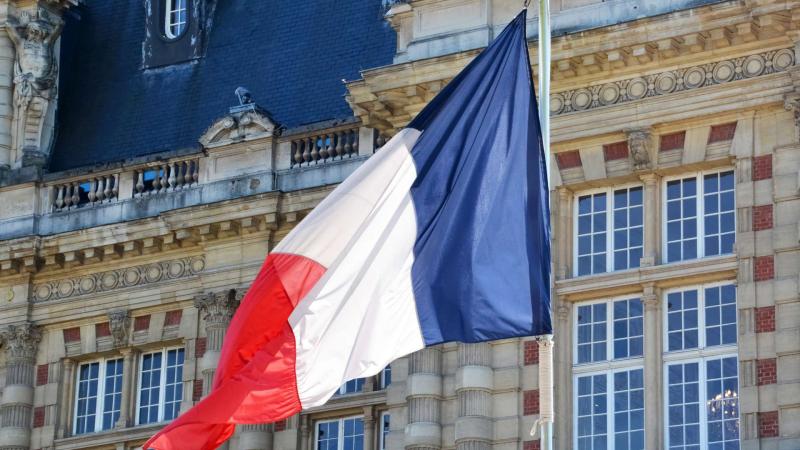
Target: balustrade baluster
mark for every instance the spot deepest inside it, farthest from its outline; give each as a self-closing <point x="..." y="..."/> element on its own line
<point x="298" y="152"/>
<point x="107" y="187"/>
<point x="355" y="142"/>
<point x="75" y="193"/>
<point x="92" y="194"/>
<point x="101" y="189"/>
<point x="315" y="146"/>
<point x="324" y="147"/>
<point x="60" y="198"/>
<point x="139" y="182"/>
<point x="171" y="179"/>
<point x="348" y="146"/>
<point x="115" y="189"/>
<point x="195" y="171"/>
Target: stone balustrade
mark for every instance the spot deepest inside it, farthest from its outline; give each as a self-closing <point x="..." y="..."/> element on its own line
<point x="167" y="177"/>
<point x="324" y="147"/>
<point x="88" y="191"/>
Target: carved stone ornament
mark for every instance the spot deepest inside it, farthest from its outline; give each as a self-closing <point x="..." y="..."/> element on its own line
<point x="21" y="341"/>
<point x="244" y="123"/>
<point x="791" y="102"/>
<point x="217" y="308"/>
<point x="119" y="322"/>
<point x="35" y="73"/>
<point x="639" y="146"/>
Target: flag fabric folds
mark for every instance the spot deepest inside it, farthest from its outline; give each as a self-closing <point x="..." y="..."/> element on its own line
<point x="442" y="235"/>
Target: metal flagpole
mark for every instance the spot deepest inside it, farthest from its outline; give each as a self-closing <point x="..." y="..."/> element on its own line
<point x="546" y="397"/>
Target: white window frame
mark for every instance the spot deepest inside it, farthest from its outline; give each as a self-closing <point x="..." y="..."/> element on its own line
<point x="340" y="438"/>
<point x="701" y="355"/>
<point x="701" y="350"/>
<point x="169" y="8"/>
<point x="609" y="191"/>
<point x="101" y="388"/>
<point x="610" y="409"/>
<point x="700" y="208"/>
<point x="702" y="392"/>
<point x="383" y="432"/>
<point x="162" y="392"/>
<point x="610" y="363"/>
<point x="343" y="388"/>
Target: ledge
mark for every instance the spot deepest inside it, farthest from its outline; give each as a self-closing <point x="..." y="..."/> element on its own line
<point x="108" y="438"/>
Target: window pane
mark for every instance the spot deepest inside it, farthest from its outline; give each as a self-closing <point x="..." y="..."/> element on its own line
<point x="683" y="406"/>
<point x="328" y="435"/>
<point x="353" y="434"/>
<point x="174" y="384"/>
<point x="722" y="398"/>
<point x="682" y="327"/>
<point x="592" y="417"/>
<point x="628" y="228"/>
<point x="591" y="234"/>
<point x="628" y="328"/>
<point x="591" y="333"/>
<point x="681" y="219"/>
<point x="150" y="379"/>
<point x="385" y="422"/>
<point x="86" y="399"/>
<point x="352" y="386"/>
<point x="629" y="409"/>
<point x="719" y="218"/>
<point x="720" y="311"/>
<point x="112" y="395"/>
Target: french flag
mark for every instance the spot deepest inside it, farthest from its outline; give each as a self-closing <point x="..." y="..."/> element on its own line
<point x="443" y="235"/>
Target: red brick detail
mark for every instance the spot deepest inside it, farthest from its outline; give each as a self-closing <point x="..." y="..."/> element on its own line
<point x="102" y="330"/>
<point x="531" y="445"/>
<point x="38" y="417"/>
<point x="173" y="317"/>
<point x="672" y="141"/>
<point x="199" y="347"/>
<point x="72" y="334"/>
<point x="197" y="390"/>
<point x="141" y="323"/>
<point x="766" y="371"/>
<point x="762" y="167"/>
<point x="531" y="350"/>
<point x="568" y="160"/>
<point x="762" y="217"/>
<point x="764" y="268"/>
<point x="42" y="371"/>
<point x="279" y="425"/>
<point x="765" y="319"/>
<point x="617" y="150"/>
<point x="530" y="402"/>
<point x="768" y="424"/>
<point x="721" y="133"/>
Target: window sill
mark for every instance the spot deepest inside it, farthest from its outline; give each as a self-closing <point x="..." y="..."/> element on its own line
<point x="630" y="281"/>
<point x="137" y="434"/>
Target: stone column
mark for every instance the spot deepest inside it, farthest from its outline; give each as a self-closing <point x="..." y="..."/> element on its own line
<point x="562" y="370"/>
<point x="369" y="428"/>
<point x="127" y="397"/>
<point x="6" y="98"/>
<point x="652" y="367"/>
<point x="652" y="227"/>
<point x="305" y="432"/>
<point x="20" y="343"/>
<point x="424" y="430"/>
<point x="216" y="309"/>
<point x="562" y="232"/>
<point x="474" y="384"/>
<point x="67" y="394"/>
<point x="255" y="437"/>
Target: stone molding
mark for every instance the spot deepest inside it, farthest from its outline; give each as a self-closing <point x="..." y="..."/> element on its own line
<point x="118" y="279"/>
<point x="240" y="125"/>
<point x="119" y="322"/>
<point x="671" y="81"/>
<point x="217" y="308"/>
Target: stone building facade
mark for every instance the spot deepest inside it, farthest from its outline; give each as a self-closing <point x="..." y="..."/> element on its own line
<point x="139" y="196"/>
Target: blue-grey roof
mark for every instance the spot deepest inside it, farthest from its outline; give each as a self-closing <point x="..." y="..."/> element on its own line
<point x="291" y="54"/>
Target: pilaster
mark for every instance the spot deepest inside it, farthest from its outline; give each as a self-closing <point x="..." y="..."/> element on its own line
<point x="652" y="367"/>
<point x="126" y="400"/>
<point x="424" y="430"/>
<point x="474" y="383"/>
<point x="216" y="309"/>
<point x="369" y="428"/>
<point x="20" y="343"/>
<point x="562" y="371"/>
<point x="563" y="233"/>
<point x="67" y="394"/>
<point x="651" y="244"/>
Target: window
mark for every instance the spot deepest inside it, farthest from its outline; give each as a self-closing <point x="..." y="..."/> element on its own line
<point x="610" y="410"/>
<point x="174" y="18"/>
<point x="341" y="434"/>
<point x="701" y="373"/>
<point x="609" y="378"/>
<point x="626" y="317"/>
<point x="98" y="396"/>
<point x="700" y="216"/>
<point x="160" y="386"/>
<point x="595" y="250"/>
<point x="385" y="420"/>
<point x="386" y="376"/>
<point x="351" y="387"/>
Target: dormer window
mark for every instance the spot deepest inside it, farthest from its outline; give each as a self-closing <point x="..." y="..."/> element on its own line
<point x="174" y="18"/>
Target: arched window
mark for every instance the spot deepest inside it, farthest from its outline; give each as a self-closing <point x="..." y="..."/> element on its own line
<point x="174" y="18"/>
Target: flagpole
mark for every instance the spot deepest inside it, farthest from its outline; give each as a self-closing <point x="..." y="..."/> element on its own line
<point x="546" y="397"/>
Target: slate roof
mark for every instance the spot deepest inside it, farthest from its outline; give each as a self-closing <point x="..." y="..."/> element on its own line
<point x="290" y="54"/>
